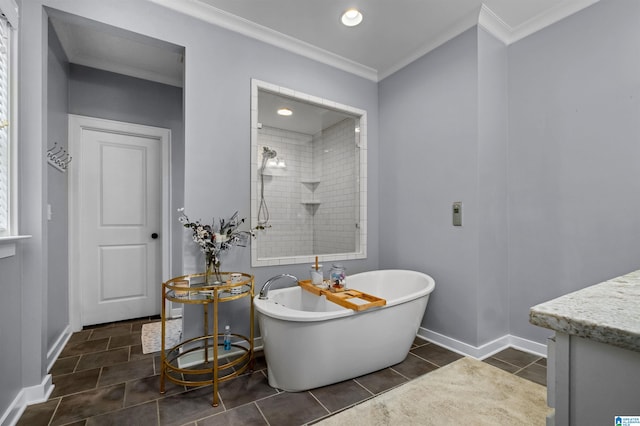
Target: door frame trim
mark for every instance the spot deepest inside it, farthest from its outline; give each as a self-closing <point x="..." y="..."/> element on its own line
<point x="78" y="124"/>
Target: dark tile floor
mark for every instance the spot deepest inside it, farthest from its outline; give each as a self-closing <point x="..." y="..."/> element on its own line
<point x="102" y="378"/>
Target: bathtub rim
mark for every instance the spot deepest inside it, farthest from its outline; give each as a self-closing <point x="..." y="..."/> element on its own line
<point x="276" y="311"/>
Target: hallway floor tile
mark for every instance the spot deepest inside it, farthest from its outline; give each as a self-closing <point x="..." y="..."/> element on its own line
<point x="102" y="378"/>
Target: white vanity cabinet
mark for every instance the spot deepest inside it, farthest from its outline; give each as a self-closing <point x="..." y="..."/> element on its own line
<point x="593" y="365"/>
<point x="590" y="383"/>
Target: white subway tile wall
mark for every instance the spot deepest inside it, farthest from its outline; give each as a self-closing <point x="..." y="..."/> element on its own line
<point x="336" y="218"/>
<point x="291" y="227"/>
<point x="314" y="204"/>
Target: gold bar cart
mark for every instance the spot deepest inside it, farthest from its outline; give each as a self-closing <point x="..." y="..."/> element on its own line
<point x="192" y="289"/>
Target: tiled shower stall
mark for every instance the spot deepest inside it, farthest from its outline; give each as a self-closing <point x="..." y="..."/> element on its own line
<point x="313" y="202"/>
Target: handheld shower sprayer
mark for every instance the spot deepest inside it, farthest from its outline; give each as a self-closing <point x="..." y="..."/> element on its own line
<point x="263" y="211"/>
<point x="268" y="153"/>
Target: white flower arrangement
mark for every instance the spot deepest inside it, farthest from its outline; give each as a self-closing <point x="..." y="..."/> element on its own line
<point x="214" y="239"/>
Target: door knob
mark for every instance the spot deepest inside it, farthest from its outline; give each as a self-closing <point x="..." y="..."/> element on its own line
<point x="154" y="235"/>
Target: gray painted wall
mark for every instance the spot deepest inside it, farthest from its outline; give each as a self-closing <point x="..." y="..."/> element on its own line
<point x="57" y="227"/>
<point x="219" y="65"/>
<point x="493" y="291"/>
<point x="428" y="125"/>
<point x="11" y="308"/>
<point x="10" y="336"/>
<point x="573" y="104"/>
<point x="574" y="179"/>
<point x="32" y="146"/>
<point x="443" y="123"/>
<point x="111" y="96"/>
<point x="556" y="149"/>
<point x="218" y="120"/>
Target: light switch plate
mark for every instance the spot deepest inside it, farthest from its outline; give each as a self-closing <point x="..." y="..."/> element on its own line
<point x="457" y="213"/>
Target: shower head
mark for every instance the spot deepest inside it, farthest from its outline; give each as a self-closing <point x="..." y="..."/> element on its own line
<point x="268" y="153"/>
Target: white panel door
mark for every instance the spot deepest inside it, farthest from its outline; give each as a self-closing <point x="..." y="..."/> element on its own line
<point x="120" y="197"/>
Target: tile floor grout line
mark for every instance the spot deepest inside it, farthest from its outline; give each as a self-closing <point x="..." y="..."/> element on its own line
<point x="333" y="413"/>
<point x="399" y="373"/>
<point x="426" y="360"/>
<point x="355" y="404"/>
<point x="75" y="368"/>
<point x="525" y="367"/>
<point x="261" y="413"/>
<point x="158" y="398"/>
<point x="158" y="412"/>
<point x="519" y="369"/>
<point x="528" y="365"/>
<point x="511" y="364"/>
<point x="319" y="402"/>
<point x="363" y="386"/>
<point x="55" y="411"/>
<point x="278" y="392"/>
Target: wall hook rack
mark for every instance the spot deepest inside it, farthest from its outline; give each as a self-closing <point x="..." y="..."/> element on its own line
<point x="58" y="157"/>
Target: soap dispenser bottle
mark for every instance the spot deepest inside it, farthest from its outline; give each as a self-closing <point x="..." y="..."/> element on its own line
<point x="226" y="341"/>
<point x="338" y="277"/>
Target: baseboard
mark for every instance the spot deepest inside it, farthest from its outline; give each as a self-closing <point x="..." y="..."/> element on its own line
<point x="27" y="396"/>
<point x="486" y="350"/>
<point x="13" y="413"/>
<point x="528" y="346"/>
<point x="58" y="346"/>
<point x="38" y="393"/>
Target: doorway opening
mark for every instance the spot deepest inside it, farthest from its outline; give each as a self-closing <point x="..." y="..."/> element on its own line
<point x="108" y="73"/>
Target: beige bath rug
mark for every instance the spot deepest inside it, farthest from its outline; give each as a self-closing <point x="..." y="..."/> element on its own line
<point x="152" y="332"/>
<point x="465" y="392"/>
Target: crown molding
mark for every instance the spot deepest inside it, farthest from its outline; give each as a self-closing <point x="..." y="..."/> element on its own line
<point x="485" y="18"/>
<point x="494" y="25"/>
<point x="491" y="22"/>
<point x="212" y="15"/>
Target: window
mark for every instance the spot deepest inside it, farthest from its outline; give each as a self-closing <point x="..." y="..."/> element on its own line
<point x="5" y="134"/>
<point x="8" y="128"/>
<point x="8" y="124"/>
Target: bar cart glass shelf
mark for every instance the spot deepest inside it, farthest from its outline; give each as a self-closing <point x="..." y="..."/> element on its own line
<point x="214" y="365"/>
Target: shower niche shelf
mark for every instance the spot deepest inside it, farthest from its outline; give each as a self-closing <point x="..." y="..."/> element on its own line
<point x="312" y="184"/>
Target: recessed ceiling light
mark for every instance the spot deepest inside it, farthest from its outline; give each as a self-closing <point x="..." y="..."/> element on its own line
<point x="351" y="17"/>
<point x="285" y="112"/>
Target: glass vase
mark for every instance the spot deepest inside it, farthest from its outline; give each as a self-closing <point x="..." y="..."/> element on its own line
<point x="212" y="271"/>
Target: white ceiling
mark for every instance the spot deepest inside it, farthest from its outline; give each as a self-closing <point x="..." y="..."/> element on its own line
<point x="393" y="33"/>
<point x="104" y="47"/>
<point x="307" y="118"/>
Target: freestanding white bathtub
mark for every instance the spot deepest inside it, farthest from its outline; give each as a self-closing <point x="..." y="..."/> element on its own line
<point x="311" y="342"/>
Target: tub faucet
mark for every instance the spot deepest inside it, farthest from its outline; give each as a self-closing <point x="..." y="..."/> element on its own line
<point x="265" y="287"/>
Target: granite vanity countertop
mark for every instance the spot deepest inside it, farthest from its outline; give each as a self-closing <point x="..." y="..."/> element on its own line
<point x="608" y="312"/>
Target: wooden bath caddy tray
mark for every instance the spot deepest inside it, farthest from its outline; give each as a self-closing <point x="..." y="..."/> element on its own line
<point x="351" y="299"/>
